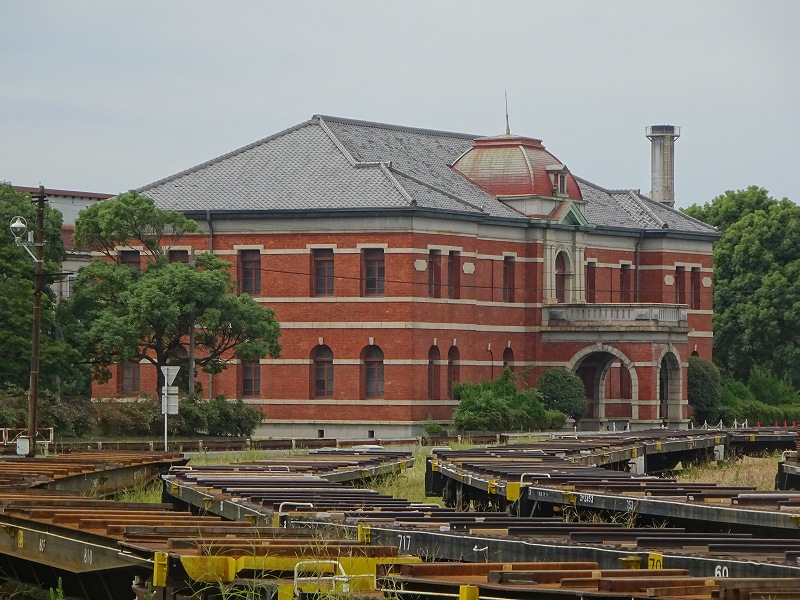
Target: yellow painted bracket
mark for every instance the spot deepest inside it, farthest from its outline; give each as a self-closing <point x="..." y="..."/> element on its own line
<point x="492" y="487"/>
<point x="160" y="569"/>
<point x="570" y="497"/>
<point x="364" y="533"/>
<point x="512" y="490"/>
<point x="634" y="452"/>
<point x="631" y="562"/>
<point x="434" y="465"/>
<point x="468" y="592"/>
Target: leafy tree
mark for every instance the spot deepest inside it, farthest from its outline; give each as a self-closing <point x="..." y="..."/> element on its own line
<point x="730" y="207"/>
<point x="16" y="299"/>
<point x="497" y="405"/>
<point x="704" y="389"/>
<point x="562" y="390"/>
<point x="118" y="313"/>
<point x="756" y="282"/>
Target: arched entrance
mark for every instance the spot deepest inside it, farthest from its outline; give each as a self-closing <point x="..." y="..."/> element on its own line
<point x="670" y="383"/>
<point x="609" y="398"/>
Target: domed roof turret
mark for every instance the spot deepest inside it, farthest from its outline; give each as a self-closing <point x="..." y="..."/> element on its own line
<point x="512" y="165"/>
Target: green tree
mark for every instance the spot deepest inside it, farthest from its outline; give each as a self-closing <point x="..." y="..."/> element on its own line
<point x="16" y="299"/>
<point x="704" y="389"/>
<point x="497" y="405"/>
<point x="562" y="390"/>
<point x="118" y="313"/>
<point x="756" y="282"/>
<point x="730" y="207"/>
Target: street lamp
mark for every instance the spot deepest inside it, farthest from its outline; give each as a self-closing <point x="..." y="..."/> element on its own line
<point x="26" y="444"/>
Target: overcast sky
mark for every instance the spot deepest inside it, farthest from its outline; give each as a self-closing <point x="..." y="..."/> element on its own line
<point x="104" y="96"/>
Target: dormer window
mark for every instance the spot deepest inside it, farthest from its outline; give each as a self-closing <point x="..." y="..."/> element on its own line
<point x="558" y="179"/>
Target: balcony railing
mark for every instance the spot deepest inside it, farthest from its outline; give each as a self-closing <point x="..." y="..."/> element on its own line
<point x="647" y="315"/>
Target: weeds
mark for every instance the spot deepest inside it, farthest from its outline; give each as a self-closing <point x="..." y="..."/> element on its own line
<point x="747" y="471"/>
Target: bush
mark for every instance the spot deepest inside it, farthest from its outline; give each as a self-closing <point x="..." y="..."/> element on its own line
<point x="138" y="417"/>
<point x="432" y="428"/>
<point x="497" y="405"/>
<point x="704" y="389"/>
<point x="562" y="390"/>
<point x="739" y="403"/>
<point x="68" y="416"/>
<point x="555" y="419"/>
<point x="771" y="389"/>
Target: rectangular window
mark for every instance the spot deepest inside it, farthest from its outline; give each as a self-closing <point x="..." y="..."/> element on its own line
<point x="680" y="285"/>
<point x="591" y="282"/>
<point x="508" y="279"/>
<point x="250" y="272"/>
<point x="322" y="269"/>
<point x="251" y="378"/>
<point x="130" y="258"/>
<point x="696" y="284"/>
<point x="130" y="377"/>
<point x="625" y="283"/>
<point x="373" y="272"/>
<point x="181" y="256"/>
<point x="434" y="274"/>
<point x="454" y="275"/>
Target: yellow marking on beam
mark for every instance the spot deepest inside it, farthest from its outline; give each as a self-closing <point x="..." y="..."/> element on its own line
<point x="468" y="592"/>
<point x="160" y="569"/>
<point x="512" y="490"/>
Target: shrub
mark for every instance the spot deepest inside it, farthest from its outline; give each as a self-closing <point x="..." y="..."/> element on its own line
<point x="704" y="389"/>
<point x="432" y="428"/>
<point x="67" y="416"/>
<point x="138" y="417"/>
<point x="555" y="419"/>
<point x="771" y="389"/>
<point x="497" y="405"/>
<point x="562" y="390"/>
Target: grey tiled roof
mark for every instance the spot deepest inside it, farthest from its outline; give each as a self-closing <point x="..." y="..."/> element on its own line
<point x="631" y="210"/>
<point x="330" y="163"/>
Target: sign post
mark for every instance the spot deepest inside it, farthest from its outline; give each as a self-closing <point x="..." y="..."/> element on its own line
<point x="169" y="396"/>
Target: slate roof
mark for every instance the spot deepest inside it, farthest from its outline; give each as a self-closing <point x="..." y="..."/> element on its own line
<point x="331" y="163"/>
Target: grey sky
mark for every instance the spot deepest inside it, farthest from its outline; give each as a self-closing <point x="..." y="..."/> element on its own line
<point x="105" y="95"/>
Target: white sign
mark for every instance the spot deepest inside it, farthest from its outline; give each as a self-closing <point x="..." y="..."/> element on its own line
<point x="169" y="400"/>
<point x="170" y="372"/>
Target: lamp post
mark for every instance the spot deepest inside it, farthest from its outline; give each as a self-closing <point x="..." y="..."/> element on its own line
<point x="27" y="444"/>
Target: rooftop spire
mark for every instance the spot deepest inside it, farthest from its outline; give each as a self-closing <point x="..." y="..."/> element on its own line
<point x="508" y="129"/>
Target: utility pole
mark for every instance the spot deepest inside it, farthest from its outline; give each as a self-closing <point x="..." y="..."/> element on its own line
<point x="38" y="286"/>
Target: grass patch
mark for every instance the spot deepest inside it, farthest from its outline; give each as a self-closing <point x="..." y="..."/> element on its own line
<point x="748" y="471"/>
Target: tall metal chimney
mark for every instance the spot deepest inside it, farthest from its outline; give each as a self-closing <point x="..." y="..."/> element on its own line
<point x="662" y="165"/>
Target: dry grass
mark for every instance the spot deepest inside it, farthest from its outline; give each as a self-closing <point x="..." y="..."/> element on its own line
<point x="749" y="471"/>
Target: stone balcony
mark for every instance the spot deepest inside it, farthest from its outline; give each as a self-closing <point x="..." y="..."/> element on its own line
<point x="615" y="318"/>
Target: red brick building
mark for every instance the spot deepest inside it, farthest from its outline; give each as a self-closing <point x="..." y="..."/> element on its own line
<point x="399" y="260"/>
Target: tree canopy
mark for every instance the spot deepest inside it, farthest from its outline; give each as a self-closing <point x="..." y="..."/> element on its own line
<point x="756" y="282"/>
<point x="16" y="298"/>
<point x="118" y="313"/>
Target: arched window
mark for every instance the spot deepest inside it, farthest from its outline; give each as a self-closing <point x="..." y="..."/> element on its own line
<point x="433" y="373"/>
<point x="453" y="370"/>
<point x="322" y="372"/>
<point x="372" y="372"/>
<point x="508" y="359"/>
<point x="561" y="278"/>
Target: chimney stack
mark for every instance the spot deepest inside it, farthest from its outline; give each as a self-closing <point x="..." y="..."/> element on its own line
<point x="662" y="165"/>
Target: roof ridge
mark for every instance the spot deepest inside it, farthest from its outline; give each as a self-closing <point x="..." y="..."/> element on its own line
<point x="225" y="156"/>
<point x="437" y="189"/>
<point x="387" y="171"/>
<point x="337" y="142"/>
<point x="468" y="136"/>
<point x="636" y="198"/>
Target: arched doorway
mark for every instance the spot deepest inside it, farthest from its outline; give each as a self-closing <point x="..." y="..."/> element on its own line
<point x="609" y="399"/>
<point x="669" y="387"/>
